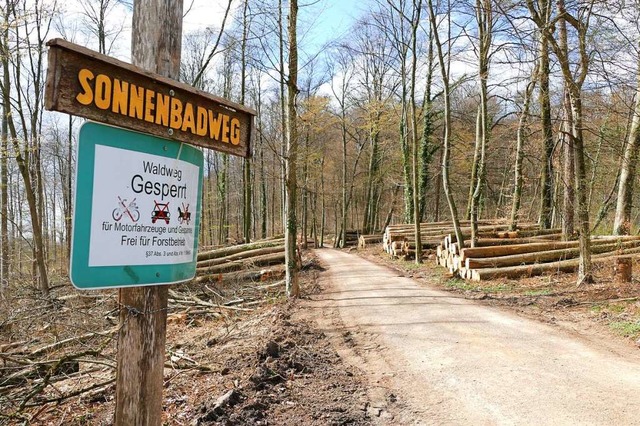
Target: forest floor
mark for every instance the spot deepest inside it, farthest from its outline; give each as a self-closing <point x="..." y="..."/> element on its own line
<point x="258" y="359"/>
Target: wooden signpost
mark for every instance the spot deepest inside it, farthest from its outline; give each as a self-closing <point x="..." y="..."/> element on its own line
<point x="88" y="84"/>
<point x="142" y="97"/>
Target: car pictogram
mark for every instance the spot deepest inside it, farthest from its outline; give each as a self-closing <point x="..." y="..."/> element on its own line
<point x="161" y="212"/>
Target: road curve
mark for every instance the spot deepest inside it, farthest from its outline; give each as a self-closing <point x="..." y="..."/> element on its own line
<point x="454" y="361"/>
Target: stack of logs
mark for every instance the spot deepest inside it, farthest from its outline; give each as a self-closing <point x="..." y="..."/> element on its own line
<point x="399" y="240"/>
<point x="526" y="253"/>
<point x="255" y="261"/>
<point x="351" y="238"/>
<point x="368" y="239"/>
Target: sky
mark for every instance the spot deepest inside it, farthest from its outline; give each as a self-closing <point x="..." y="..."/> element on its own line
<point x="330" y="19"/>
<point x="320" y="20"/>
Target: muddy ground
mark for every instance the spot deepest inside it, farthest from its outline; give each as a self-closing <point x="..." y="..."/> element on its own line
<point x="257" y="360"/>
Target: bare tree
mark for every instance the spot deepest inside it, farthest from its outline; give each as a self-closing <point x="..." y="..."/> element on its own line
<point x="574" y="80"/>
<point x="521" y="137"/>
<point x="291" y="158"/>
<point x="4" y="154"/>
<point x="622" y="221"/>
<point x="444" y="59"/>
<point x="540" y="11"/>
<point x="485" y="21"/>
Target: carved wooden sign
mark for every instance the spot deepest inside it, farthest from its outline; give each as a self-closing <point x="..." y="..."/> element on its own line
<point x="88" y="84"/>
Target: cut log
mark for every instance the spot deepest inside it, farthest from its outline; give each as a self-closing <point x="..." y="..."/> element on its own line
<point x="525" y="232"/>
<point x="273" y="272"/>
<point x="484" y="241"/>
<point x="543" y="256"/>
<point x="240" y="256"/>
<point x="541" y="268"/>
<point x="265" y="260"/>
<point x="506" y="250"/>
<point x="228" y="251"/>
<point x="365" y="240"/>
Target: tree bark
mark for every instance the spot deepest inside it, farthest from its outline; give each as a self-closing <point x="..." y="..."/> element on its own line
<point x="542" y="256"/>
<point x="569" y="196"/>
<point x="570" y="265"/>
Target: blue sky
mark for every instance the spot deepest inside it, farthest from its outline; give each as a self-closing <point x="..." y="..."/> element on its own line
<point x="330" y="19"/>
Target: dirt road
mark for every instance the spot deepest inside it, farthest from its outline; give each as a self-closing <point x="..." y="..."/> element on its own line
<point x="435" y="358"/>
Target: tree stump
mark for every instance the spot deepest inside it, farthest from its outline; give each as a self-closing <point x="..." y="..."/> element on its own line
<point x="623" y="270"/>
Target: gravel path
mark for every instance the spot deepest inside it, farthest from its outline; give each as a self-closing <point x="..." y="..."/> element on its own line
<point x="435" y="358"/>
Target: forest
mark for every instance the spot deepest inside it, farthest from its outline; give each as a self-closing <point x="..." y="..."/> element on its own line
<point x="419" y="111"/>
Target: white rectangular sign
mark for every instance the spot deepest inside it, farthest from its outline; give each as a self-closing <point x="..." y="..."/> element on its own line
<point x="143" y="209"/>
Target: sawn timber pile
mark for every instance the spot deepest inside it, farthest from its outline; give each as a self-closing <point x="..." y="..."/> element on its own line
<point x="524" y="254"/>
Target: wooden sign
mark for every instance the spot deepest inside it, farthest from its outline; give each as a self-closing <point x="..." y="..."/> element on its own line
<point x="88" y="84"/>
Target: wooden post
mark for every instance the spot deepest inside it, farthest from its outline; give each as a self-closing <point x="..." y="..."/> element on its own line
<point x="156" y="46"/>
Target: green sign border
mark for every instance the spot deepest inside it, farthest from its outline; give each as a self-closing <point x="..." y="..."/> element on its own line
<point x="85" y="277"/>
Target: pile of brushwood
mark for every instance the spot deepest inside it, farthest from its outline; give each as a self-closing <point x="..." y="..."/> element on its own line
<point x="63" y="348"/>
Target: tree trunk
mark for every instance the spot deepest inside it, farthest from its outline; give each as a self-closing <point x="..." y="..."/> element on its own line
<point x="246" y="162"/>
<point x="569" y="197"/>
<point x="622" y="221"/>
<point x="484" y="17"/>
<point x="574" y="79"/>
<point x="414" y="131"/>
<point x="155" y="46"/>
<point x="4" y="155"/>
<point x="474" y="164"/>
<point x="444" y="70"/>
<point x="291" y="279"/>
<point x="542" y="256"/>
<point x="541" y="18"/>
<point x="23" y="157"/>
<point x="68" y="193"/>
<point x="343" y="222"/>
<point x="324" y="210"/>
<point x="404" y="144"/>
<point x="428" y="148"/>
<point x="520" y="137"/>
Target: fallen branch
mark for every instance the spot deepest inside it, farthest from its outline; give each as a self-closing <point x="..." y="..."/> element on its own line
<point x="597" y="302"/>
<point x="61" y="398"/>
<point x="76" y="339"/>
